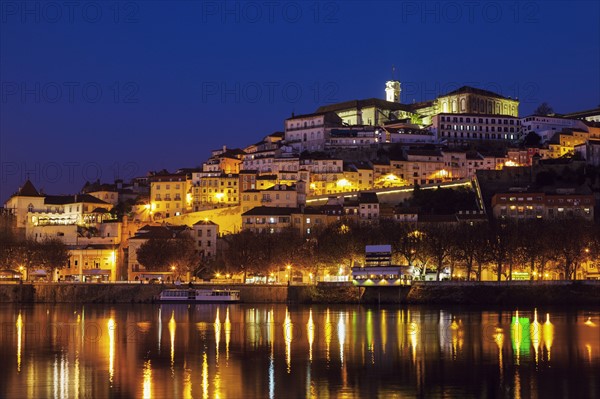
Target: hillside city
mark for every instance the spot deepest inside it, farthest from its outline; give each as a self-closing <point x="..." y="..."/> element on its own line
<point x="457" y="188"/>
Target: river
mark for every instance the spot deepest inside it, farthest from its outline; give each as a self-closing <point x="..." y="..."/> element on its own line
<point x="279" y="351"/>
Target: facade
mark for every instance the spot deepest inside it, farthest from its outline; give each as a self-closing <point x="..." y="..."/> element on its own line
<point x="378" y="269"/>
<point x="372" y="111"/>
<point x="546" y="126"/>
<point x="352" y="137"/>
<point x="310" y="131"/>
<point x="590" y="115"/>
<point x="205" y="234"/>
<point x="168" y="195"/>
<point x="562" y="204"/>
<point x="419" y="167"/>
<point x="219" y="191"/>
<point x="91" y="263"/>
<point x="471" y="100"/>
<point x="590" y="151"/>
<point x="464" y="128"/>
<point x="280" y="195"/>
<point x="135" y="270"/>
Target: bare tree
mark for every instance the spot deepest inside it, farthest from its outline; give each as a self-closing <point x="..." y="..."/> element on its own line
<point x="544" y="109"/>
<point x="438" y="245"/>
<point x="468" y="240"/>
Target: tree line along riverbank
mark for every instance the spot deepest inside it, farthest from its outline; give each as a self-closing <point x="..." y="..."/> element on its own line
<point x="422" y="293"/>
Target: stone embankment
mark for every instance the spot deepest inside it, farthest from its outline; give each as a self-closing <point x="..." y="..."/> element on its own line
<point x="421" y="293"/>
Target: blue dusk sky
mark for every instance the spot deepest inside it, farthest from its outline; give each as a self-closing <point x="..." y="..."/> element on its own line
<point x="105" y="89"/>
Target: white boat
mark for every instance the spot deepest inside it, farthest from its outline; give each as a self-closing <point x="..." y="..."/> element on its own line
<point x="194" y="295"/>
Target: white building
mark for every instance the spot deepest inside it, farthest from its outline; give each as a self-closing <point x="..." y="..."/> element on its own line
<point x="547" y="126"/>
<point x="310" y="131"/>
<point x="462" y="128"/>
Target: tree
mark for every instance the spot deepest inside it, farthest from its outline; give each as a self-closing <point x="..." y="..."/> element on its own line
<point x="185" y="257"/>
<point x="543" y="109"/>
<point x="467" y="242"/>
<point x="438" y="244"/>
<point x="501" y="246"/>
<point x="534" y="247"/>
<point x="571" y="248"/>
<point x="177" y="254"/>
<point x="155" y="254"/>
<point x="532" y="139"/>
<point x="409" y="243"/>
<point x="52" y="254"/>
<point x="242" y="251"/>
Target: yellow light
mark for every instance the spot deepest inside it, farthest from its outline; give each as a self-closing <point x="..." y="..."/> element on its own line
<point x="228" y="275"/>
<point x="147" y="383"/>
<point x="343" y="183"/>
<point x="147" y="206"/>
<point x="111" y="348"/>
<point x="289" y="266"/>
<point x="219" y="196"/>
<point x="218" y="275"/>
<point x="173" y="268"/>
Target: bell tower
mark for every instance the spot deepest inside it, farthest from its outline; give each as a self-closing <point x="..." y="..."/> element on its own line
<point x="392" y="89"/>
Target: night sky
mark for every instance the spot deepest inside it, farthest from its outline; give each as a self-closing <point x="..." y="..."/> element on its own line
<point x="103" y="89"/>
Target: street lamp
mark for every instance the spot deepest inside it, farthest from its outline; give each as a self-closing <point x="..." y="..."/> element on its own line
<point x="289" y="274"/>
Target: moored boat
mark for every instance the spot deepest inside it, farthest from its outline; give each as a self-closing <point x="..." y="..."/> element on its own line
<point x="199" y="295"/>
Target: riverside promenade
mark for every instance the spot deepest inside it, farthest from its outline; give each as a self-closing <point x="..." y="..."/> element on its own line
<point x="579" y="292"/>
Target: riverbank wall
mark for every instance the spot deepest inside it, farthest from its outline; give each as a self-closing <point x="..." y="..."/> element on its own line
<point x="420" y="293"/>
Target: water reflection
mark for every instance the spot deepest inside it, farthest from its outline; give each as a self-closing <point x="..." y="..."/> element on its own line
<point x="19" y="340"/>
<point x="111" y="349"/>
<point x="147" y="380"/>
<point x="347" y="351"/>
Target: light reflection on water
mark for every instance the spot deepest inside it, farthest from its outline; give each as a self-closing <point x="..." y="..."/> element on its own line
<point x="233" y="351"/>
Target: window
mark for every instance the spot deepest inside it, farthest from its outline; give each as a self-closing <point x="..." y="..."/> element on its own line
<point x="199" y="233"/>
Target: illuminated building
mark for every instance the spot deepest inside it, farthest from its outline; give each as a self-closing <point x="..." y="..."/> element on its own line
<point x="219" y="190"/>
<point x="136" y="271"/>
<point x="32" y="209"/>
<point x="280" y="195"/>
<point x="248" y="179"/>
<point x="224" y="161"/>
<point x="463" y="128"/>
<point x="309" y="132"/>
<point x="348" y="137"/>
<point x="91" y="263"/>
<point x="546" y="126"/>
<point x="168" y="195"/>
<point x="471" y="100"/>
<point x="563" y="144"/>
<point x="264" y="182"/>
<point x="205" y="234"/>
<point x="590" y="115"/>
<point x="371" y="111"/>
<point x="418" y="166"/>
<point x="378" y="269"/>
<point x="260" y="156"/>
<point x="561" y="204"/>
